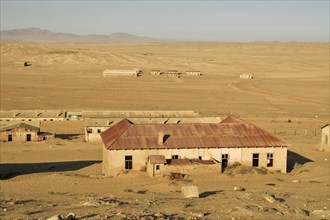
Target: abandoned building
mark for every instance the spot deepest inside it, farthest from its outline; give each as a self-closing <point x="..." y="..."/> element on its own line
<point x="193" y="73"/>
<point x="325" y="132"/>
<point x="155" y="72"/>
<point x="22" y="132"/>
<point x="173" y="73"/>
<point x="31" y="115"/>
<point x="133" y="72"/>
<point x="131" y="147"/>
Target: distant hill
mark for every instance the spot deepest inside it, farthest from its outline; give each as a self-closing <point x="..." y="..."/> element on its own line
<point x="34" y="34"/>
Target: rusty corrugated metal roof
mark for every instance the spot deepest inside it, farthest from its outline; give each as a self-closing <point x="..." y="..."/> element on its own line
<point x="234" y="132"/>
<point x="157" y="159"/>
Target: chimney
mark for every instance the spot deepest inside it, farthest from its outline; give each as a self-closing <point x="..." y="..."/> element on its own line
<point x="160" y="138"/>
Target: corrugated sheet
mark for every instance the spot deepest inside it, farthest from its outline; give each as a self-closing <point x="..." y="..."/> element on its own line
<point x="237" y="133"/>
<point x="112" y="134"/>
<point x="157" y="159"/>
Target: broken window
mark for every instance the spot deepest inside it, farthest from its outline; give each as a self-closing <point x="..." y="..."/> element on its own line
<point x="200" y="157"/>
<point x="28" y="137"/>
<point x="89" y="130"/>
<point x="98" y="130"/>
<point x="10" y="137"/>
<point x="269" y="160"/>
<point x="255" y="160"/>
<point x="157" y="167"/>
<point x="175" y="156"/>
<point x="128" y="162"/>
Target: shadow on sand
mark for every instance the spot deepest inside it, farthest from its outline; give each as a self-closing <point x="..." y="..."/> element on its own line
<point x="295" y="158"/>
<point x="208" y="193"/>
<point x="10" y="170"/>
<point x="67" y="136"/>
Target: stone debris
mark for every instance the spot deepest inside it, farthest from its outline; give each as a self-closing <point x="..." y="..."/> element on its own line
<point x="238" y="188"/>
<point x="103" y="201"/>
<point x="190" y="191"/>
<point x="70" y="216"/>
<point x="296" y="181"/>
<point x="300" y="212"/>
<point x="322" y="213"/>
<point x="269" y="198"/>
<point x="197" y="215"/>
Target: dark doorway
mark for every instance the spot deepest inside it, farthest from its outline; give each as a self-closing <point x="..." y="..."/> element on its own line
<point x="28" y="137"/>
<point x="128" y="162"/>
<point x="10" y="137"/>
<point x="224" y="162"/>
<point x="255" y="160"/>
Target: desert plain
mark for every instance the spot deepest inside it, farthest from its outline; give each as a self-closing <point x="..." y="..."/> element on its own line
<point x="288" y="97"/>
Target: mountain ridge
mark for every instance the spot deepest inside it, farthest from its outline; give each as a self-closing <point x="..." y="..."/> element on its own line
<point x="35" y="34"/>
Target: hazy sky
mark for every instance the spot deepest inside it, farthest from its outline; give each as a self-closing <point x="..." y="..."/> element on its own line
<point x="181" y="20"/>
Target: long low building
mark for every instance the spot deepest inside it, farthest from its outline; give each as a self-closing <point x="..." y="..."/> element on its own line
<point x="133" y="72"/>
<point x="129" y="146"/>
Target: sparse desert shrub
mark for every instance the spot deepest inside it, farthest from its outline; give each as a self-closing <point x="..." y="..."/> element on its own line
<point x="143" y="168"/>
<point x="128" y="190"/>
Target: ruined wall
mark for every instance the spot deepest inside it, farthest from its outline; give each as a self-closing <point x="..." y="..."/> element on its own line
<point x="19" y="135"/>
<point x="115" y="159"/>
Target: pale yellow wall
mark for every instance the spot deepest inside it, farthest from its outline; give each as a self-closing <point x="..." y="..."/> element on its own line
<point x="325" y="138"/>
<point x="115" y="159"/>
<point x="94" y="136"/>
<point x="279" y="155"/>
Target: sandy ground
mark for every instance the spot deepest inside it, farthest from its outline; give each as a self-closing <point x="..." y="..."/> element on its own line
<point x="59" y="176"/>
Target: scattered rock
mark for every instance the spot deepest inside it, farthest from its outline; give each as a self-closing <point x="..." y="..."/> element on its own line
<point x="284" y="205"/>
<point x="70" y="216"/>
<point x="296" y="181"/>
<point x="300" y="212"/>
<point x="89" y="204"/>
<point x="56" y="217"/>
<point x="197" y="214"/>
<point x="121" y="215"/>
<point x="322" y="213"/>
<point x="269" y="198"/>
<point x="238" y="188"/>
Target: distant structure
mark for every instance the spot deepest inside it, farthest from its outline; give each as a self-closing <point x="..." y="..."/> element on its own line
<point x="246" y="76"/>
<point x="325" y="134"/>
<point x="155" y="72"/>
<point x="133" y="72"/>
<point x="31" y="115"/>
<point x="22" y="132"/>
<point x="26" y="64"/>
<point x="193" y="73"/>
<point x="173" y="73"/>
<point x="130" y="146"/>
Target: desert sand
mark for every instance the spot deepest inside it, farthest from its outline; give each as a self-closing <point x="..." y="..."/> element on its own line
<point x="39" y="180"/>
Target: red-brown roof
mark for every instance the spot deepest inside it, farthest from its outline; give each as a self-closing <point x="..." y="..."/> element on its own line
<point x="233" y="132"/>
<point x="157" y="159"/>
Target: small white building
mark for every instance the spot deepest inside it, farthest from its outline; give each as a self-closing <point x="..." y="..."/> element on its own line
<point x="133" y="72"/>
<point x="131" y="147"/>
<point x="193" y="73"/>
<point x="325" y="142"/>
